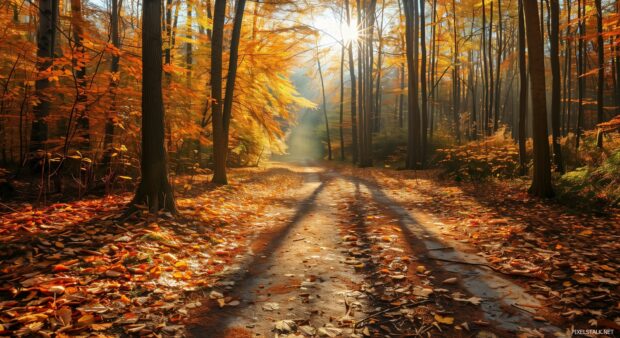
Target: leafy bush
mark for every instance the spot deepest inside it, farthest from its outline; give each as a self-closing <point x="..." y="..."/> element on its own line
<point x="596" y="184"/>
<point x="588" y="154"/>
<point x="495" y="156"/>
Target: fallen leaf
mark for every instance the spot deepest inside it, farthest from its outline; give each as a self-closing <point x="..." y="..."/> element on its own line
<point x="444" y="320"/>
<point x="86" y="320"/>
<point x="452" y="280"/>
<point x="64" y="315"/>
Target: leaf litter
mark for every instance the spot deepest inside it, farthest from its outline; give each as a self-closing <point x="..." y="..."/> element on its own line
<point x="72" y="269"/>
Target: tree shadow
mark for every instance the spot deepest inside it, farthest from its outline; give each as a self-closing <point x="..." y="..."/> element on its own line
<point x="210" y="321"/>
<point x="498" y="293"/>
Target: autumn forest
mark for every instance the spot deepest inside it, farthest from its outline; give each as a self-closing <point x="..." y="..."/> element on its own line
<point x="284" y="168"/>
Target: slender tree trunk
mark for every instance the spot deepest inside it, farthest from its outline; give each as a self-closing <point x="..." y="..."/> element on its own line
<point x="456" y="103"/>
<point x="354" y="136"/>
<point x="220" y="145"/>
<point x="329" y="141"/>
<point x="189" y="61"/>
<point x="423" y="84"/>
<point x="433" y="97"/>
<point x="341" y="125"/>
<point x="413" y="121"/>
<point x="485" y="74"/>
<point x="522" y="92"/>
<point x="361" y="88"/>
<point x="491" y="74"/>
<point x="580" y="69"/>
<point x="114" y="69"/>
<point x="154" y="189"/>
<point x="616" y="53"/>
<point x="472" y="90"/>
<point x="554" y="37"/>
<point x="600" y="114"/>
<point x="500" y="48"/>
<point x="370" y="10"/>
<point x="401" y="96"/>
<point x="541" y="182"/>
<point x="217" y="115"/>
<point x="377" y="117"/>
<point x="168" y="30"/>
<point x="566" y="106"/>
<point x="45" y="55"/>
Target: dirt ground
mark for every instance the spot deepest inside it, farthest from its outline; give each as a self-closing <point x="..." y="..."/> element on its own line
<point x="351" y="261"/>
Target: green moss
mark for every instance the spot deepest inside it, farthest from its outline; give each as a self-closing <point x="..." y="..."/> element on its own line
<point x="595" y="185"/>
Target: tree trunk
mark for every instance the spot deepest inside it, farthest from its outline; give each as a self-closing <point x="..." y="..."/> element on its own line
<point x="413" y="120"/>
<point x="377" y="117"/>
<point x="600" y="114"/>
<point x="554" y="37"/>
<point x="219" y="175"/>
<point x="541" y="181"/>
<point x="423" y="84"/>
<point x="217" y="118"/>
<point x="522" y="93"/>
<point x="79" y="54"/>
<point x="369" y="113"/>
<point x="361" y="88"/>
<point x="45" y="56"/>
<point x="485" y="74"/>
<point x="114" y="68"/>
<point x="456" y="95"/>
<point x="433" y="70"/>
<point x="341" y="125"/>
<point x="566" y="108"/>
<point x="580" y="69"/>
<point x="401" y="95"/>
<point x="498" y="86"/>
<point x="154" y="189"/>
<point x="616" y="53"/>
<point x="329" y="141"/>
<point x="491" y="88"/>
<point x="354" y="137"/>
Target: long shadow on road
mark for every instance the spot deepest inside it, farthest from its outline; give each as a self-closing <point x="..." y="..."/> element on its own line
<point x="211" y="321"/>
<point x="501" y="297"/>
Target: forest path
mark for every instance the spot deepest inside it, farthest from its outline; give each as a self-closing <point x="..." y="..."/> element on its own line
<point x="351" y="254"/>
<point x="296" y="278"/>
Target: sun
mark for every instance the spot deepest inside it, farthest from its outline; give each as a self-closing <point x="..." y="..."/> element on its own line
<point x="349" y="32"/>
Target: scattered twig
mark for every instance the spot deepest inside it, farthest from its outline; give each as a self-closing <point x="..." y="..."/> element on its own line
<point x="466" y="263"/>
<point x="8" y="207"/>
<point x="442" y="248"/>
<point x="391" y="309"/>
<point x="498" y="270"/>
<point x="522" y="309"/>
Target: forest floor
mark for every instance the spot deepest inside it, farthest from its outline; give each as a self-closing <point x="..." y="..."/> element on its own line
<point x="327" y="250"/>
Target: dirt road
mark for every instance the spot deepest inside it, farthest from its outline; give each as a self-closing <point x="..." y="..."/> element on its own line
<point x="351" y="262"/>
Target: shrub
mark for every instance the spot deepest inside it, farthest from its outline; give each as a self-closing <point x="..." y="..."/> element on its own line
<point x="596" y="184"/>
<point x="495" y="156"/>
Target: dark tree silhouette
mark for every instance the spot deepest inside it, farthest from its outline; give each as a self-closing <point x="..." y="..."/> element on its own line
<point x="541" y="181"/>
<point x="154" y="189"/>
